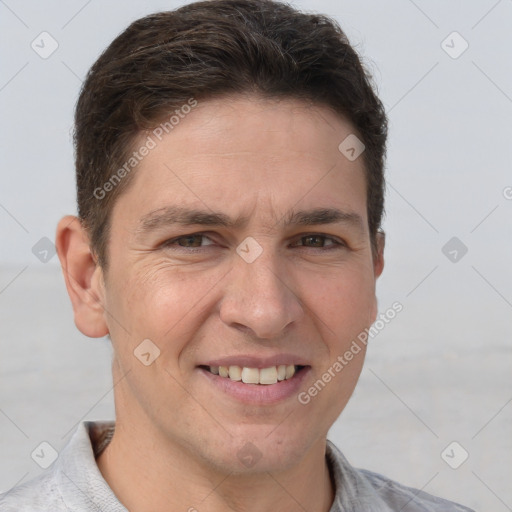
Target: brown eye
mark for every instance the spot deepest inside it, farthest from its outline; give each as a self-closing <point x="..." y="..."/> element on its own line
<point x="190" y="241"/>
<point x="315" y="241"/>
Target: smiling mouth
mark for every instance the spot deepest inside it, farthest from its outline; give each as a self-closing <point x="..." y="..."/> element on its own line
<point x="265" y="376"/>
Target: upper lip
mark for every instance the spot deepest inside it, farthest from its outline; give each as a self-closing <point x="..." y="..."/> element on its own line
<point x="251" y="361"/>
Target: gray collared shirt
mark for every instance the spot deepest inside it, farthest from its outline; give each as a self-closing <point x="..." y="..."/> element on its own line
<point x="74" y="483"/>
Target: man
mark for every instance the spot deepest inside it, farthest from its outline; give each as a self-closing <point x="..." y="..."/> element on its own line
<point x="229" y="160"/>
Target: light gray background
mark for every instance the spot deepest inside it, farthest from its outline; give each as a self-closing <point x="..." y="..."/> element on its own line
<point x="439" y="372"/>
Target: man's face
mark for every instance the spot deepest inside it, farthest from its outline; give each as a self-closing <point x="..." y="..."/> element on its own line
<point x="276" y="270"/>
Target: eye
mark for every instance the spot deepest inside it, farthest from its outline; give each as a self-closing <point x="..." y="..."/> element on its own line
<point x="189" y="241"/>
<point x="319" y="241"/>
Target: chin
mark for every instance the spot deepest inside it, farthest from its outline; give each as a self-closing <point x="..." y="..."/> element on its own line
<point x="256" y="450"/>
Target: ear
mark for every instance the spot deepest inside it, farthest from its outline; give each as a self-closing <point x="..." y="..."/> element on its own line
<point x="83" y="276"/>
<point x="378" y="267"/>
<point x="378" y="257"/>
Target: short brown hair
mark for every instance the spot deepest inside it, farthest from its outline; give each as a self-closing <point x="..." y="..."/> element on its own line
<point x="204" y="50"/>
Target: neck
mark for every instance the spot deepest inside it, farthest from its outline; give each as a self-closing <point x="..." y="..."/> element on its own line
<point x="148" y="472"/>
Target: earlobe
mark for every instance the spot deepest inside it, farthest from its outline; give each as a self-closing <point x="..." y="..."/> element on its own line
<point x="83" y="277"/>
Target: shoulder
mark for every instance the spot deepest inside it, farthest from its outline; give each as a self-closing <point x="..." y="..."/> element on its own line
<point x="409" y="499"/>
<point x="375" y="492"/>
<point x="72" y="482"/>
<point x="40" y="494"/>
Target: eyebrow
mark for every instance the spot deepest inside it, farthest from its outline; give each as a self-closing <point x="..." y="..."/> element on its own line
<point x="174" y="215"/>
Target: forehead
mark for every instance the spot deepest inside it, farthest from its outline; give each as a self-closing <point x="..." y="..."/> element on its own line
<point x="255" y="128"/>
<point x="259" y="154"/>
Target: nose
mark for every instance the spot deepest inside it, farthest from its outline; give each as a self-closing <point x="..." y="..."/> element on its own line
<point x="260" y="298"/>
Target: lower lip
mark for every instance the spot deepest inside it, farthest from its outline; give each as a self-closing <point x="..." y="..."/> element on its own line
<point x="259" y="394"/>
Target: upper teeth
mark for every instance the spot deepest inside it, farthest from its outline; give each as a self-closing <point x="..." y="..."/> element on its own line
<point x="255" y="375"/>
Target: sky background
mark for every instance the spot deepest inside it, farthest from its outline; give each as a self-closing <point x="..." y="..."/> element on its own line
<point x="440" y="372"/>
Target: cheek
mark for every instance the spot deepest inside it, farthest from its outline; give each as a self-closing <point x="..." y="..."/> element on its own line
<point x="343" y="301"/>
<point x="163" y="304"/>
